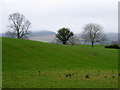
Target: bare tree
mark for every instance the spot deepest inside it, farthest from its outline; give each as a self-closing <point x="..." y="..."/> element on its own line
<point x="18" y="27"/>
<point x="93" y="33"/>
<point x="74" y="40"/>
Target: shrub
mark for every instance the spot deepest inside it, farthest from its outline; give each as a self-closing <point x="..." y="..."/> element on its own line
<point x="113" y="46"/>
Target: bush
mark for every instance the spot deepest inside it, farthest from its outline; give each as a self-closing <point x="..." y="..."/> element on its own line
<point x="112" y="46"/>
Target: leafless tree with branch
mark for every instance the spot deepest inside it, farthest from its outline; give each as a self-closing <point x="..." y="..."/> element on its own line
<point x="18" y="27"/>
<point x="93" y="33"/>
<point x="74" y="40"/>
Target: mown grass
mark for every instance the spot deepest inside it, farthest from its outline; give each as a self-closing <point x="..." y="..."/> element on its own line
<point x="32" y="64"/>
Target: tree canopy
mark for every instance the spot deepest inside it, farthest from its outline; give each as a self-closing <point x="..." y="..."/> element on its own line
<point x="64" y="35"/>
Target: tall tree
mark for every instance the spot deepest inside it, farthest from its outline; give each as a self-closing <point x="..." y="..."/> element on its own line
<point x="64" y="35"/>
<point x="18" y="27"/>
<point x="93" y="33"/>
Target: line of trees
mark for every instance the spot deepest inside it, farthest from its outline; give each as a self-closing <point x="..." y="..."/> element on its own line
<point x="19" y="28"/>
<point x="92" y="33"/>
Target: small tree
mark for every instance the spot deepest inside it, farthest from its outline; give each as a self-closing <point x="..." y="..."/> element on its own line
<point x="18" y="27"/>
<point x="93" y="33"/>
<point x="74" y="40"/>
<point x="64" y="35"/>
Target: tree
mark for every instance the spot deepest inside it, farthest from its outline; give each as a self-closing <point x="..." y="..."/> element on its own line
<point x="93" y="33"/>
<point x="74" y="40"/>
<point x="63" y="36"/>
<point x="18" y="27"/>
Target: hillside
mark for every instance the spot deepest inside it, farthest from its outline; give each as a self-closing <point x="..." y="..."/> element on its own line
<point x="31" y="64"/>
<point x="0" y="62"/>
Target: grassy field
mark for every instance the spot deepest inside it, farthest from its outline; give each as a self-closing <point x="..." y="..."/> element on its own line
<point x="32" y="64"/>
<point x="0" y="63"/>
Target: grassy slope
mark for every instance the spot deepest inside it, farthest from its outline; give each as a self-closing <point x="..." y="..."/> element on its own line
<point x="0" y="63"/>
<point x="22" y="59"/>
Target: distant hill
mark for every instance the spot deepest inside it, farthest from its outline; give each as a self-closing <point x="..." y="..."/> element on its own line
<point x="42" y="33"/>
<point x="0" y="34"/>
<point x="49" y="36"/>
<point x="44" y="36"/>
<point x="110" y="37"/>
<point x="36" y="33"/>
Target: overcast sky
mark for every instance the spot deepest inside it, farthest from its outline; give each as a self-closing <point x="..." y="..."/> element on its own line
<point x="54" y="14"/>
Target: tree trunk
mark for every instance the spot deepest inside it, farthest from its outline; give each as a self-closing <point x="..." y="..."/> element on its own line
<point x="18" y="36"/>
<point x="92" y="44"/>
<point x="64" y="43"/>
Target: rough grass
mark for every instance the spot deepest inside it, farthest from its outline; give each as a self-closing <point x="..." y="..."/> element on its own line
<point x="32" y="64"/>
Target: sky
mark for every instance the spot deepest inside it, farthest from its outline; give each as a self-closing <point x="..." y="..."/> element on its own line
<point x="54" y="14"/>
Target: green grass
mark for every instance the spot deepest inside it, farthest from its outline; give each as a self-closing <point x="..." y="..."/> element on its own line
<point x="23" y="59"/>
<point x="0" y="63"/>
